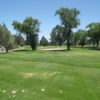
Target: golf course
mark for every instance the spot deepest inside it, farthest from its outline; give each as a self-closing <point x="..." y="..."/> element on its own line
<point x="50" y="50"/>
<point x="50" y="74"/>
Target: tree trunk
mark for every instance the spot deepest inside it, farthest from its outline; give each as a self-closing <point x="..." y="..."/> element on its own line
<point x="68" y="36"/>
<point x="97" y="43"/>
<point x="68" y="46"/>
<point x="33" y="42"/>
<point x="6" y="49"/>
<point x="69" y="40"/>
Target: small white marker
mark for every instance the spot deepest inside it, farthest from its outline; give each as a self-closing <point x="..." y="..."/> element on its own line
<point x="13" y="92"/>
<point x="42" y="90"/>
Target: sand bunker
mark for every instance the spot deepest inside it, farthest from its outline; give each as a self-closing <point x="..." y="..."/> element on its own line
<point x="54" y="49"/>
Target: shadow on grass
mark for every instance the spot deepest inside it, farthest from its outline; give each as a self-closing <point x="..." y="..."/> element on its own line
<point x="92" y="48"/>
<point x="58" y="50"/>
<point x="3" y="53"/>
<point x="24" y="50"/>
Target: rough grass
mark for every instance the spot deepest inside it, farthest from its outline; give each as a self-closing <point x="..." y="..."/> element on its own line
<point x="50" y="75"/>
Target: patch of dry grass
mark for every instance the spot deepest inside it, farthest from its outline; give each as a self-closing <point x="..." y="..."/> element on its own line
<point x="38" y="74"/>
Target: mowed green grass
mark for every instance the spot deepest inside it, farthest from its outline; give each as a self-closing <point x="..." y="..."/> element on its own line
<point x="50" y="75"/>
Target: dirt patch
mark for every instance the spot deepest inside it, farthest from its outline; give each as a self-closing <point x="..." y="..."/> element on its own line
<point x="26" y="75"/>
<point x="38" y="74"/>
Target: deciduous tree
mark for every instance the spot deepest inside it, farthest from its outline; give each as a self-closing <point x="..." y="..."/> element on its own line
<point x="30" y="27"/>
<point x="44" y="41"/>
<point x="70" y="20"/>
<point x="5" y="37"/>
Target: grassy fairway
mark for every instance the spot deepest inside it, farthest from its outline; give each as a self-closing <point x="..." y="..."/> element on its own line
<point x="50" y="75"/>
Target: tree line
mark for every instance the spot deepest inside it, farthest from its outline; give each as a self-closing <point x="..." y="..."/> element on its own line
<point x="90" y="36"/>
<point x="64" y="33"/>
<point x="27" y="32"/>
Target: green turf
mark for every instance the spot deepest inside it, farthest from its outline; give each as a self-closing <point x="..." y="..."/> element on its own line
<point x="50" y="75"/>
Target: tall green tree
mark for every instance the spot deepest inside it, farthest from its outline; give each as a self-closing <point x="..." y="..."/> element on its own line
<point x="44" y="41"/>
<point x="70" y="20"/>
<point x="57" y="35"/>
<point x="83" y="37"/>
<point x="79" y="37"/>
<point x="94" y="33"/>
<point x="5" y="37"/>
<point x="53" y="37"/>
<point x="75" y="38"/>
<point x="30" y="27"/>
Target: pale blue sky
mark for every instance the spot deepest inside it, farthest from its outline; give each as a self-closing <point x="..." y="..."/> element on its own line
<point x="44" y="10"/>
